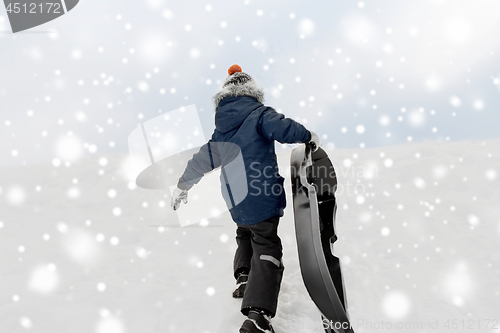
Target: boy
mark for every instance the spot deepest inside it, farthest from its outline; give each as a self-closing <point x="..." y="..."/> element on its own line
<point x="245" y="127"/>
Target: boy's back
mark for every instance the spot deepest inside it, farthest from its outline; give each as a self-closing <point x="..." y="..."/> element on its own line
<point x="252" y="128"/>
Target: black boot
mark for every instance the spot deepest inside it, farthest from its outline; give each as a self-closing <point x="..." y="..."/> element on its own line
<point x="241" y="283"/>
<point x="257" y="322"/>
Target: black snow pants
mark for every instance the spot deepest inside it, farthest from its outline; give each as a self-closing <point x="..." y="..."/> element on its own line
<point x="260" y="251"/>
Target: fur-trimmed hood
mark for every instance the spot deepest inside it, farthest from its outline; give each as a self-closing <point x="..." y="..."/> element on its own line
<point x="248" y="88"/>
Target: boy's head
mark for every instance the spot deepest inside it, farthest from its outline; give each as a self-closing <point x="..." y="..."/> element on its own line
<point x="236" y="76"/>
<point x="238" y="84"/>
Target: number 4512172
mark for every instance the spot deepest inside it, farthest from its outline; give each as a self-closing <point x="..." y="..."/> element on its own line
<point x="33" y="8"/>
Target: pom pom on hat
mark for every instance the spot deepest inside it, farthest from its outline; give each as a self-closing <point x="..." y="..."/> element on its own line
<point x="233" y="69"/>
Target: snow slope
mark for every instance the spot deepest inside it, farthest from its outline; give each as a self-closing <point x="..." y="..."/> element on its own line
<point x="82" y="250"/>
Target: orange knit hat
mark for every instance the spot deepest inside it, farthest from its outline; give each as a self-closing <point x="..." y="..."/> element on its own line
<point x="239" y="83"/>
<point x="236" y="76"/>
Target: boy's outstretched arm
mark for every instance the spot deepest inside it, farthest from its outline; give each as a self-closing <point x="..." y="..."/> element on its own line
<point x="275" y="126"/>
<point x="205" y="160"/>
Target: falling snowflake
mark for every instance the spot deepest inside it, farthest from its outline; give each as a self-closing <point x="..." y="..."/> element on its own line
<point x="16" y="195"/>
<point x="419" y="183"/>
<point x="44" y="279"/>
<point x="396" y="305"/>
<point x="110" y="325"/>
<point x="210" y="291"/>
<point x="491" y="174"/>
<point x="455" y="101"/>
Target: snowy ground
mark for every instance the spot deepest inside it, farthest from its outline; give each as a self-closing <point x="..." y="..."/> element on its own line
<point x="83" y="251"/>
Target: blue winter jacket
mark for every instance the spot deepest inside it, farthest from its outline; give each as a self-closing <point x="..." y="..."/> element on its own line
<point x="245" y="131"/>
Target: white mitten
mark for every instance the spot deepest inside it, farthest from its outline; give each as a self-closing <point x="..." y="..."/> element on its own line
<point x="315" y="140"/>
<point x="178" y="196"/>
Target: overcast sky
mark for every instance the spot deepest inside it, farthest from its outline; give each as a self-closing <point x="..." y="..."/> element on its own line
<point x="367" y="74"/>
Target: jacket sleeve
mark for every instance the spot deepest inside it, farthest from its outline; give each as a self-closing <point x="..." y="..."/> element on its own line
<point x="204" y="161"/>
<point x="275" y="126"/>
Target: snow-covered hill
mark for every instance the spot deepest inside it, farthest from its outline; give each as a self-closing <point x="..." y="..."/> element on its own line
<point x="83" y="250"/>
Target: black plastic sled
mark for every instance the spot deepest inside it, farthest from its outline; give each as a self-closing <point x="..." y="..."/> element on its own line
<point x="313" y="184"/>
